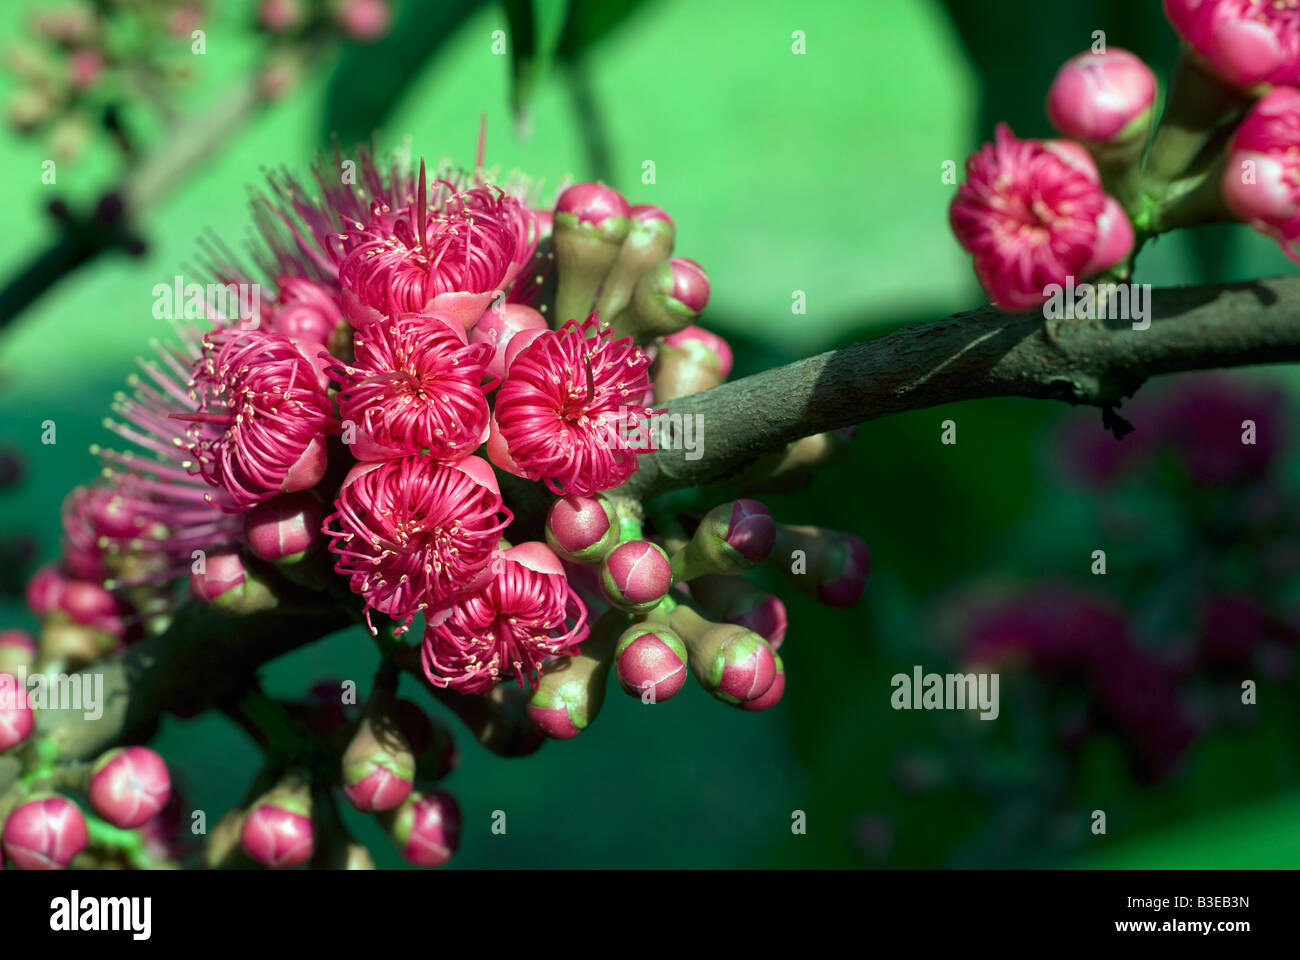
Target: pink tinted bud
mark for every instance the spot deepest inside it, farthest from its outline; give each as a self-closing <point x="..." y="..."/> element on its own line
<point x="278" y="834"/>
<point x="90" y="604"/>
<point x="219" y="573"/>
<point x="427" y="829"/>
<point x="379" y="789"/>
<point x="652" y="217"/>
<point x="129" y="786"/>
<point x="284" y="527"/>
<point x="690" y="284"/>
<point x="1261" y="181"/>
<point x="45" y="589"/>
<point x="16" y="719"/>
<point x="774" y="693"/>
<point x="1114" y="238"/>
<point x="363" y="19"/>
<point x="650" y="661"/>
<point x="743" y="669"/>
<point x="636" y="575"/>
<point x="767" y="618"/>
<point x="17" y="650"/>
<point x="1247" y="42"/>
<point x="45" y="833"/>
<point x="85" y="66"/>
<point x="594" y="204"/>
<point x="582" y="529"/>
<point x="750" y="531"/>
<point x="701" y="344"/>
<point x="499" y="327"/>
<point x="279" y="16"/>
<point x="1095" y="96"/>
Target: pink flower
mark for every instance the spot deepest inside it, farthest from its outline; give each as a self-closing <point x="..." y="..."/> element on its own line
<point x="267" y="392"/>
<point x="1096" y="95"/>
<point x="306" y="309"/>
<point x="446" y="252"/>
<point x="416" y="387"/>
<point x="525" y="613"/>
<point x="1247" y="42"/>
<point x="157" y="512"/>
<point x="1261" y="182"/>
<point x="413" y="533"/>
<point x="1028" y="213"/>
<point x="570" y="404"/>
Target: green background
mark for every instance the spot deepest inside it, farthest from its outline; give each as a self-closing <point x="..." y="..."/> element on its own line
<point x="819" y="173"/>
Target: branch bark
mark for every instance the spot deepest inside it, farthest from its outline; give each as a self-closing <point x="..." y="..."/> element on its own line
<point x="981" y="353"/>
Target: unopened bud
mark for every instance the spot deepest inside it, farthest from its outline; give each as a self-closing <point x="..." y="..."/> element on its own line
<point x="582" y="529"/>
<point x="426" y="829"/>
<point x="16" y="720"/>
<point x="378" y="765"/>
<point x="17" y="651"/>
<point x="228" y="584"/>
<point x="591" y="222"/>
<point x="650" y="662"/>
<point x="277" y="830"/>
<point x="649" y="241"/>
<point x="734" y="664"/>
<point x="45" y="833"/>
<point x="129" y="786"/>
<point x="285" y="527"/>
<point x="829" y="565"/>
<point x="732" y="538"/>
<point x="571" y="690"/>
<point x="636" y="575"/>
<point x="740" y="601"/>
<point x="666" y="300"/>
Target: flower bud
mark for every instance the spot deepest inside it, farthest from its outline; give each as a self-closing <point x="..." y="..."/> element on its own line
<point x="45" y="833"/>
<point x="499" y="326"/>
<point x="774" y="693"/>
<point x="828" y="565"/>
<point x="1102" y="96"/>
<point x="378" y="765"/>
<point x="277" y="830"/>
<point x="636" y="575"/>
<point x="732" y="538"/>
<point x="738" y="600"/>
<point x="90" y="604"/>
<point x="228" y="584"/>
<point x="650" y="662"/>
<point x="285" y="527"/>
<point x="571" y="690"/>
<point x="734" y="664"/>
<point x="649" y="241"/>
<point x="17" y="651"/>
<point x="128" y="786"/>
<point x="582" y="529"/>
<point x="703" y="345"/>
<point x="16" y="719"/>
<point x="363" y="20"/>
<point x="426" y="829"/>
<point x="280" y="16"/>
<point x="1259" y="182"/>
<point x="667" y="299"/>
<point x="45" y="589"/>
<point x="590" y="225"/>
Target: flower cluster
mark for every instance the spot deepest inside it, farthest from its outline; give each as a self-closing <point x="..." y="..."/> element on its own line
<point x="430" y="414"/>
<point x="1035" y="215"/>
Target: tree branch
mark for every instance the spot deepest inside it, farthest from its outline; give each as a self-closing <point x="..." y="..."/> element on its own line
<point x="205" y="656"/>
<point x="981" y="353"/>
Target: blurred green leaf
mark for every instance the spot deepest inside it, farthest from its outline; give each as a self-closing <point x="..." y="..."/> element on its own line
<point x="535" y="30"/>
<point x="370" y="79"/>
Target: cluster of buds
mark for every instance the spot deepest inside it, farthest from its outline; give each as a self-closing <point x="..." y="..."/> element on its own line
<point x="80" y="58"/>
<point x="114" y="810"/>
<point x="361" y="20"/>
<point x="437" y="356"/>
<point x="1037" y="216"/>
